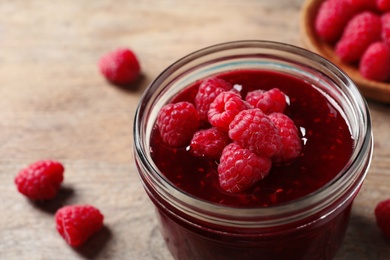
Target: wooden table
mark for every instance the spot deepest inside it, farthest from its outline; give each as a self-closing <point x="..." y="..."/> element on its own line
<point x="55" y="104"/>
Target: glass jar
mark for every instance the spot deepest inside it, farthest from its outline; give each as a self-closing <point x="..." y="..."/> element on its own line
<point x="311" y="227"/>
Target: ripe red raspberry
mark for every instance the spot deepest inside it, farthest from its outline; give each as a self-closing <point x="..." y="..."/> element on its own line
<point x="291" y="145"/>
<point x="361" y="5"/>
<point x="375" y="63"/>
<point x="331" y="19"/>
<point x="208" y="90"/>
<point x="383" y="5"/>
<point x="77" y="223"/>
<point x="120" y="66"/>
<point x="209" y="143"/>
<point x="382" y="216"/>
<point x="40" y="180"/>
<point x="224" y="108"/>
<point x="240" y="168"/>
<point x="253" y="130"/>
<point x="177" y="123"/>
<point x="386" y="28"/>
<point x="362" y="30"/>
<point x="269" y="101"/>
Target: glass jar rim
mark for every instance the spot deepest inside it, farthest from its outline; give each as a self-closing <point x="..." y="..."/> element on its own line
<point x="283" y="212"/>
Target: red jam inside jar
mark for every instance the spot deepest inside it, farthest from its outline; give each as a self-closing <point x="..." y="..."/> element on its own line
<point x="300" y="210"/>
<point x="325" y="135"/>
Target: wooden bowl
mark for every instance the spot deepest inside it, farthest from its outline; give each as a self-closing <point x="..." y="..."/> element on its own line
<point x="373" y="90"/>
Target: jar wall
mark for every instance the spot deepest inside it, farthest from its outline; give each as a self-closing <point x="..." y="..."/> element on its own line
<point x="310" y="228"/>
<point x="319" y="241"/>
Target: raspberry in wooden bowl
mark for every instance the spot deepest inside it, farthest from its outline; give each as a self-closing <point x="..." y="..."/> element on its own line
<point x="352" y="35"/>
<point x="263" y="177"/>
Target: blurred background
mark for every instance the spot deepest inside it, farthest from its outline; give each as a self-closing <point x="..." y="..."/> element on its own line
<point x="54" y="104"/>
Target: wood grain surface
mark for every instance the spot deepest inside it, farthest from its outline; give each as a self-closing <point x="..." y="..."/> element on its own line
<point x="54" y="104"/>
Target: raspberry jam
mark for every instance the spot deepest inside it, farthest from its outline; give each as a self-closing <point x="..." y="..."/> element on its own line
<point x="325" y="134"/>
<point x="300" y="210"/>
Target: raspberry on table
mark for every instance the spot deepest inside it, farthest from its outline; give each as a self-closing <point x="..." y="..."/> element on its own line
<point x="40" y="180"/>
<point x="209" y="143"/>
<point x="291" y="144"/>
<point x="120" y="66"/>
<point x="224" y="108"/>
<point x="269" y="101"/>
<point x="77" y="223"/>
<point x="240" y="168"/>
<point x="362" y="30"/>
<point x="177" y="122"/>
<point x="253" y="130"/>
<point x="208" y="90"/>
<point x="332" y="17"/>
<point x="382" y="216"/>
<point x="375" y="63"/>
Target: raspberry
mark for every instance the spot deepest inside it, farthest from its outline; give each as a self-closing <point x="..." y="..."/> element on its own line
<point x="386" y="27"/>
<point x="291" y="145"/>
<point x="224" y="108"/>
<point x="120" y="66"/>
<point x="253" y="130"/>
<point x="331" y="19"/>
<point x="269" y="101"/>
<point x="382" y="216"/>
<point x="375" y="63"/>
<point x="40" y="180"/>
<point x="361" y="5"/>
<point x="362" y="30"/>
<point x="208" y="90"/>
<point x="383" y="5"/>
<point x="177" y="123"/>
<point x="240" y="168"/>
<point x="77" y="223"/>
<point x="209" y="143"/>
